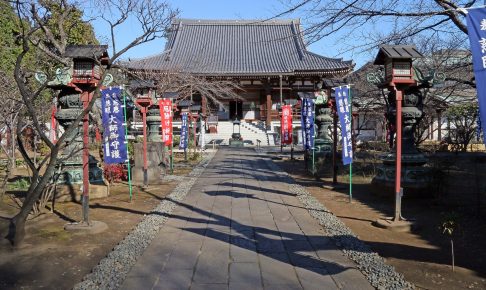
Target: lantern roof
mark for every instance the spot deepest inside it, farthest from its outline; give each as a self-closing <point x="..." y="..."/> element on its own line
<point x="86" y="51"/>
<point x="170" y="95"/>
<point x="185" y="103"/>
<point x="396" y="52"/>
<point x="332" y="83"/>
<point x="142" y="84"/>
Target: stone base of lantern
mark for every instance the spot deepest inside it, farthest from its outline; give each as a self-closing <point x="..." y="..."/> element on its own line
<point x="94" y="227"/>
<point x="416" y="178"/>
<point x="69" y="185"/>
<point x="155" y="161"/>
<point x="400" y="225"/>
<point x="322" y="158"/>
<point x="236" y="143"/>
<point x="73" y="192"/>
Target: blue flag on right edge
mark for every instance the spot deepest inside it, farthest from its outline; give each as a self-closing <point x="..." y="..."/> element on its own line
<point x="476" y="27"/>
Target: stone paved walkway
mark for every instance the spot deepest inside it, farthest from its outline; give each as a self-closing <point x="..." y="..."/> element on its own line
<point x="240" y="228"/>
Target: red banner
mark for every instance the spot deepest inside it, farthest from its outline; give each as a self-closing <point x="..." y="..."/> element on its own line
<point x="52" y="132"/>
<point x="165" y="107"/>
<point x="286" y="125"/>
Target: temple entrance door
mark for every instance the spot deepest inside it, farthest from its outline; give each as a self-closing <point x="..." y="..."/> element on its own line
<point x="235" y="110"/>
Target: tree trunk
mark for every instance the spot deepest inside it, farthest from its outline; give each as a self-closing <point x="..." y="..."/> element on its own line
<point x="452" y="252"/>
<point x="16" y="232"/>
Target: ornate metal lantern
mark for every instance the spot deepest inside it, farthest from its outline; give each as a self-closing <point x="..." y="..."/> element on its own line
<point x="87" y="61"/>
<point x="397" y="61"/>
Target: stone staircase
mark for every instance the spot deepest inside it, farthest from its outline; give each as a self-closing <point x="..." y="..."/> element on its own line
<point x="250" y="132"/>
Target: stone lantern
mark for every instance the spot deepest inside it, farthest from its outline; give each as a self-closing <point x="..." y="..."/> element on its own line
<point x="403" y="166"/>
<point x="76" y="85"/>
<point x="236" y="140"/>
<point x="323" y="144"/>
<point x="149" y="155"/>
<point x="404" y="82"/>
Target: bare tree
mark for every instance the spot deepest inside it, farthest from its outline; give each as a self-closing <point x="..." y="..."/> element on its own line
<point x="185" y="84"/>
<point x="153" y="18"/>
<point x="463" y="121"/>
<point x="9" y="105"/>
<point x="368" y="99"/>
<point x="368" y="23"/>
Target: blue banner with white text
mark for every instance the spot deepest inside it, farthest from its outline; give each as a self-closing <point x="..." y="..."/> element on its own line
<point x="114" y="145"/>
<point x="476" y="27"/>
<point x="344" y="113"/>
<point x="184" y="132"/>
<point x="307" y="123"/>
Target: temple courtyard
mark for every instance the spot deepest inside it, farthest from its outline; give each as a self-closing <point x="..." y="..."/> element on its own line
<point x="247" y="218"/>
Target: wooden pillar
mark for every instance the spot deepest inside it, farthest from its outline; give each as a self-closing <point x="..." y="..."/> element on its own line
<point x="269" y="108"/>
<point x="439" y="128"/>
<point x="204" y="104"/>
<point x="431" y="128"/>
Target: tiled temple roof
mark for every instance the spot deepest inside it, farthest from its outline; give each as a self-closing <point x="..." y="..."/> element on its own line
<point x="239" y="48"/>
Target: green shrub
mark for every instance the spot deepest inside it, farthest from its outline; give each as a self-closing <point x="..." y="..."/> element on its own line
<point x="22" y="183"/>
<point x="130" y="148"/>
<point x="177" y="140"/>
<point x="43" y="149"/>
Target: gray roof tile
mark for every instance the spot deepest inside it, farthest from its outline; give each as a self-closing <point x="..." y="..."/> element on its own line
<point x="86" y="51"/>
<point x="396" y="51"/>
<point x="235" y="47"/>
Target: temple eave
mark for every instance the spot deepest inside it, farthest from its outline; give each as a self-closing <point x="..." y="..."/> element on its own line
<point x="252" y="75"/>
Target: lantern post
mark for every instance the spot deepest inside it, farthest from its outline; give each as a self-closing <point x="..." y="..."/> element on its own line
<point x="143" y="102"/>
<point x="86" y="76"/>
<point x="399" y="75"/>
<point x="86" y="98"/>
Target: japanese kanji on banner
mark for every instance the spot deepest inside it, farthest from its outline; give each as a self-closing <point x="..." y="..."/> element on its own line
<point x="343" y="110"/>
<point x="307" y="123"/>
<point x="476" y="27"/>
<point x="165" y="107"/>
<point x="184" y="132"/>
<point x="52" y="131"/>
<point x="286" y="125"/>
<point x="115" y="149"/>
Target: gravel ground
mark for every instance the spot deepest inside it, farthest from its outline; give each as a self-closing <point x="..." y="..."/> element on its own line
<point x="112" y="270"/>
<point x="380" y="275"/>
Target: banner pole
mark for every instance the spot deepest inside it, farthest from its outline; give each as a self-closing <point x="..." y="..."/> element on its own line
<point x="350" y="99"/>
<point x="172" y="157"/>
<point x="172" y="140"/>
<point x="126" y="140"/>
<point x="186" y="140"/>
<point x="314" y="137"/>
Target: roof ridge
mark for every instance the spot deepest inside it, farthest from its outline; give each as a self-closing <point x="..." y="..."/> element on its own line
<point x="322" y="56"/>
<point x="296" y="38"/>
<point x="146" y="58"/>
<point x="277" y="21"/>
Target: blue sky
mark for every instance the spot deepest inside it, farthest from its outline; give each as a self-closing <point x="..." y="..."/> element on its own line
<point x="226" y="9"/>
